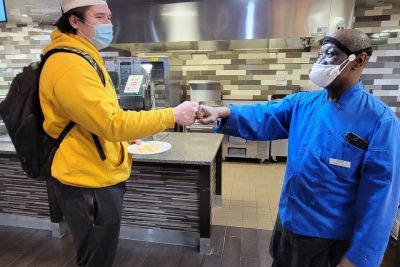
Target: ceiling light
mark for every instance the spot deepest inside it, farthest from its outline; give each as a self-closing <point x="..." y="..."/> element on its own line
<point x="180" y="14"/>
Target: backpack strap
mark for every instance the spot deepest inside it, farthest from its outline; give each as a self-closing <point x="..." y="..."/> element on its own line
<point x="77" y="52"/>
<point x="64" y="132"/>
<point x="99" y="147"/>
<point x="71" y="124"/>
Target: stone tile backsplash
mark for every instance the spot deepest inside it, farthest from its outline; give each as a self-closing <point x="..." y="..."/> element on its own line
<point x="244" y="74"/>
<point x="20" y="44"/>
<point x="382" y="74"/>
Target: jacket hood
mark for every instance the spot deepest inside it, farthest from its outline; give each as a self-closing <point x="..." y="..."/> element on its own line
<point x="59" y="39"/>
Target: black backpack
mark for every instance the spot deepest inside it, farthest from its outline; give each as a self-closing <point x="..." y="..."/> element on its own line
<point x="23" y="117"/>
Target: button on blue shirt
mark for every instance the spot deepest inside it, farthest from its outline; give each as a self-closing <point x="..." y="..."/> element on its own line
<point x="332" y="188"/>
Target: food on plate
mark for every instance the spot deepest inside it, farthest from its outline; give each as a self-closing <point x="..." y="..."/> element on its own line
<point x="146" y="148"/>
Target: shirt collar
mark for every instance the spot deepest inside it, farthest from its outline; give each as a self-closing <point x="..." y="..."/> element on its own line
<point x="348" y="94"/>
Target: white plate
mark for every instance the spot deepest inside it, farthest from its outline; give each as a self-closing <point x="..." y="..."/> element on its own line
<point x="149" y="148"/>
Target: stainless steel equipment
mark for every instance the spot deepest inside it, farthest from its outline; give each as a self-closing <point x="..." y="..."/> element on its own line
<point x="157" y="69"/>
<point x="236" y="147"/>
<point x="176" y="21"/>
<point x="132" y="87"/>
<point x="205" y="93"/>
<point x="143" y="82"/>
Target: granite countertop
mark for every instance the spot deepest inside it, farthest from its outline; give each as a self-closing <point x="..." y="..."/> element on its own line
<point x="186" y="148"/>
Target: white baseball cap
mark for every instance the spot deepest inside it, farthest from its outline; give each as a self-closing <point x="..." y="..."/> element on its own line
<point x="67" y="5"/>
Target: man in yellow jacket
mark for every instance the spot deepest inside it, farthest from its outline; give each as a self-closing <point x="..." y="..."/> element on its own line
<point x="91" y="189"/>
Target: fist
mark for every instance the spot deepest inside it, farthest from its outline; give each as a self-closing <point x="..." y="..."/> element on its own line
<point x="206" y="114"/>
<point x="185" y="113"/>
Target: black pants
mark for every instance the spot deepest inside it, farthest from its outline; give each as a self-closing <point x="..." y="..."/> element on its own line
<point x="291" y="250"/>
<point x="94" y="218"/>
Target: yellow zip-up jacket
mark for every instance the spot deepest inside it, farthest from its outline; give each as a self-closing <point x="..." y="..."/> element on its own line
<point x="71" y="90"/>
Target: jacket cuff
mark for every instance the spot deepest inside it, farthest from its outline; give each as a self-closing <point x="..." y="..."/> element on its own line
<point x="362" y="258"/>
<point x="227" y="125"/>
<point x="169" y="118"/>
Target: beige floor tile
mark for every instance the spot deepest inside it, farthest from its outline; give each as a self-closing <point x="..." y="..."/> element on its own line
<point x="236" y="202"/>
<point x="236" y="209"/>
<point x="237" y="195"/>
<point x="218" y="213"/>
<point x="250" y="224"/>
<point x="250" y="210"/>
<point x="248" y="192"/>
<point x="263" y="211"/>
<point x="249" y="198"/>
<point x="274" y="205"/>
<point x="262" y="204"/>
<point x="226" y="202"/>
<point x="234" y="222"/>
<point x="234" y="215"/>
<point x="274" y="213"/>
<point x="249" y="203"/>
<point x="225" y="208"/>
<point x="265" y="225"/>
<point x="250" y="216"/>
<point x="264" y="217"/>
<point x="219" y="221"/>
<point x="252" y="191"/>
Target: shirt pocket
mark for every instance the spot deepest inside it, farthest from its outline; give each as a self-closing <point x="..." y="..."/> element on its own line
<point x="343" y="159"/>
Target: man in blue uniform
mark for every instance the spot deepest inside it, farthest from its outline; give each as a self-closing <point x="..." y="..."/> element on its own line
<point x="341" y="187"/>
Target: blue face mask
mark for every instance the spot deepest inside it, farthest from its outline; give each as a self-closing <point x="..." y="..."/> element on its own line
<point x="103" y="35"/>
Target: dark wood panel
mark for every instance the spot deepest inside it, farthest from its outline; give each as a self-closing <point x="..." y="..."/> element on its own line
<point x="249" y="245"/>
<point x="131" y="252"/>
<point x="246" y="262"/>
<point x="231" y="247"/>
<point x="8" y="237"/>
<point x="217" y="239"/>
<point x="19" y="194"/>
<point x="211" y="261"/>
<point x="7" y="258"/>
<point x="264" y="238"/>
<point x="163" y="196"/>
<point x="32" y="249"/>
<point x="27" y="240"/>
<point x="234" y="231"/>
<point x="55" y="251"/>
<point x="231" y="256"/>
<point x="161" y="255"/>
<point x="191" y="257"/>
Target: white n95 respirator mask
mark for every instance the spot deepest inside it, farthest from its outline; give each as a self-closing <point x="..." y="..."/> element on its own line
<point x="323" y="75"/>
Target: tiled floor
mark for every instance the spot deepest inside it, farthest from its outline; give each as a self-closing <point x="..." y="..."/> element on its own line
<point x="250" y="194"/>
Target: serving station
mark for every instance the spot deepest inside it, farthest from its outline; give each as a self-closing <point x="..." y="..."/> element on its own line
<point x="169" y="195"/>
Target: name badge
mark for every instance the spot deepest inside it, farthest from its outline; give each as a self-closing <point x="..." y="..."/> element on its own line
<point x="339" y="162"/>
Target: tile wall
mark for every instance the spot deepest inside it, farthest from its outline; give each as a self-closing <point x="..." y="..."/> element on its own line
<point x="244" y="74"/>
<point x="20" y="44"/>
<point x="382" y="74"/>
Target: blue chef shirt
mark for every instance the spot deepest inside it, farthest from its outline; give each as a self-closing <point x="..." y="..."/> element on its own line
<point x="332" y="189"/>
